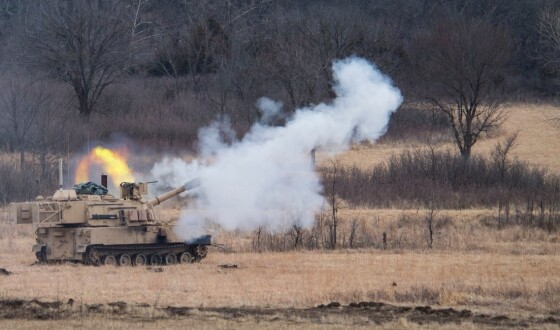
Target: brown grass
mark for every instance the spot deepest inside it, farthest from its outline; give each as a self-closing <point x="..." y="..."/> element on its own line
<point x="497" y="282"/>
<point x="470" y="231"/>
<point x="509" y="270"/>
<point x="486" y="281"/>
<point x="538" y="139"/>
<point x="537" y="142"/>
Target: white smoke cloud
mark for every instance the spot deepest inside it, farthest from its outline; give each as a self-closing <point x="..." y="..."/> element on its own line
<point x="267" y="177"/>
<point x="171" y="172"/>
<point x="215" y="137"/>
<point x="269" y="109"/>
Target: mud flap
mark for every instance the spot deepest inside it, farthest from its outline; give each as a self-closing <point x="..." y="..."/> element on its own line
<point x="38" y="247"/>
<point x="81" y="248"/>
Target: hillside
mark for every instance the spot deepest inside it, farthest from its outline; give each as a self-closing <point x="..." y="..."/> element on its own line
<point x="538" y="141"/>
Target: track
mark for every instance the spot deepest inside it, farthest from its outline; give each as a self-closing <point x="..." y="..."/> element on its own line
<point x="144" y="254"/>
<point x="139" y="254"/>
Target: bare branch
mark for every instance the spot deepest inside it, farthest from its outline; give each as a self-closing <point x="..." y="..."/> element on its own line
<point x="82" y="43"/>
<point x="461" y="63"/>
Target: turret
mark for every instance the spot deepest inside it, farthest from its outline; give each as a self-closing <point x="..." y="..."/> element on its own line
<point x="67" y="207"/>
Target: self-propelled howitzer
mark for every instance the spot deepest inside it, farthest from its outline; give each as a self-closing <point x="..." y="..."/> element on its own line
<point x="97" y="228"/>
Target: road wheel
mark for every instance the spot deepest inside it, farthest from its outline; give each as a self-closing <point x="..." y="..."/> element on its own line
<point x="155" y="259"/>
<point x="125" y="260"/>
<point x="110" y="260"/>
<point x="201" y="251"/>
<point x="185" y="258"/>
<point x="140" y="260"/>
<point x="170" y="259"/>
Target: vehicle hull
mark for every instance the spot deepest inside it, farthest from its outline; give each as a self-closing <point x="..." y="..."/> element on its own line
<point x="91" y="245"/>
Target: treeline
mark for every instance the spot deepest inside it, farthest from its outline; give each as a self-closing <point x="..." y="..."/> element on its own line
<point x="157" y="71"/>
<point x="221" y="56"/>
<point x="172" y="66"/>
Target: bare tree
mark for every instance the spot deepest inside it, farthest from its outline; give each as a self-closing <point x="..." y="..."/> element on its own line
<point x="548" y="48"/>
<point x="460" y="65"/>
<point x="352" y="236"/>
<point x="432" y="200"/>
<point x="197" y="35"/>
<point x="141" y="30"/>
<point x="51" y="130"/>
<point x="331" y="192"/>
<point x="192" y="49"/>
<point x="35" y="125"/>
<point x="7" y="174"/>
<point x="82" y="43"/>
<point x="430" y="219"/>
<point x="18" y="114"/>
<point x="301" y="46"/>
<point x="334" y="34"/>
<point x="296" y="233"/>
<point x="500" y="154"/>
<point x="318" y="233"/>
<point x="258" y="239"/>
<point x="293" y="68"/>
<point x="549" y="38"/>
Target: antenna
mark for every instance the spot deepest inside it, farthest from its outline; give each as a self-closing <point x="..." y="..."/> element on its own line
<point x="68" y="160"/>
<point x="60" y="175"/>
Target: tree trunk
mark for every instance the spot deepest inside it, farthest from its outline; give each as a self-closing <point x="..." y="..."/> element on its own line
<point x="21" y="158"/>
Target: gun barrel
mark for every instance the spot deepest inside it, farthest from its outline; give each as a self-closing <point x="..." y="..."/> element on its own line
<point x="165" y="196"/>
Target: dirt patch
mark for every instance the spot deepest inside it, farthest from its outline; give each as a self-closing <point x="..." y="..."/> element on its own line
<point x="373" y="312"/>
<point x="32" y="309"/>
<point x="228" y="266"/>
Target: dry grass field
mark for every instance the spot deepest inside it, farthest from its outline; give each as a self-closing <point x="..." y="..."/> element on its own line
<point x="486" y="282"/>
<point x="517" y="278"/>
<point x="538" y="141"/>
<point x="476" y="275"/>
<point x="519" y="286"/>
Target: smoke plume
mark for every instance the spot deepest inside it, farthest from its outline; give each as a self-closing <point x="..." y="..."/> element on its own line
<point x="269" y="109"/>
<point x="267" y="177"/>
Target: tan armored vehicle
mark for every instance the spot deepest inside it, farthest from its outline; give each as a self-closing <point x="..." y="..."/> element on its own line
<point x="102" y="229"/>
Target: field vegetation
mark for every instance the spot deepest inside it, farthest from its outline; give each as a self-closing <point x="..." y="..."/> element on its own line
<point x="509" y="272"/>
<point x="456" y="207"/>
<point x="157" y="72"/>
